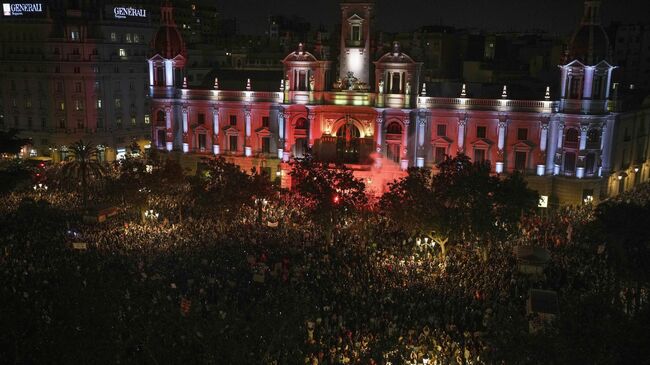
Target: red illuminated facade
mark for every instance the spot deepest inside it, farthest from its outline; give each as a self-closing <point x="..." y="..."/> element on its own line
<point x="376" y="116"/>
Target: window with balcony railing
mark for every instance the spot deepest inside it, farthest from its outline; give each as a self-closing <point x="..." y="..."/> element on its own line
<point x="571" y="138"/>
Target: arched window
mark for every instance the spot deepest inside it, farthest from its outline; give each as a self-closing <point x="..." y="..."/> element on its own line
<point x="160" y="116"/>
<point x="301" y="123"/>
<point x="394" y="128"/>
<point x="348" y="130"/>
<point x="571" y="138"/>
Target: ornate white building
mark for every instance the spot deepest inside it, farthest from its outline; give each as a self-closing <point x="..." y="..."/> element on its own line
<point x="378" y="119"/>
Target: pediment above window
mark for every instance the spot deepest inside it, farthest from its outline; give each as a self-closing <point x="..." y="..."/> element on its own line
<point x="442" y="141"/>
<point x="523" y="146"/>
<point x="355" y="19"/>
<point x="482" y="142"/>
<point x="231" y="131"/>
<point x="263" y="132"/>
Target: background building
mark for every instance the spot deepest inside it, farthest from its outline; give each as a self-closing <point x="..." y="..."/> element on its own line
<point x="73" y="70"/>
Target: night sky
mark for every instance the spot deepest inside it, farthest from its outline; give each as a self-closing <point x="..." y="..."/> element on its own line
<point x="556" y="16"/>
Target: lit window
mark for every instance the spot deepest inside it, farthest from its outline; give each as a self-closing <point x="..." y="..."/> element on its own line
<point x="122" y="52"/>
<point x="113" y="37"/>
<point x="132" y="120"/>
<point x="136" y="38"/>
<point x="74" y="35"/>
<point x="99" y="103"/>
<point x="78" y="105"/>
<point x="118" y="103"/>
<point x="128" y="37"/>
<point x="146" y="119"/>
<point x="62" y="105"/>
<point x="28" y="103"/>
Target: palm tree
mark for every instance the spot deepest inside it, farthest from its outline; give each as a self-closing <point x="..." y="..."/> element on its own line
<point x="83" y="167"/>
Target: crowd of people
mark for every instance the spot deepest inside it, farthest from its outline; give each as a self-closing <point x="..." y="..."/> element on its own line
<point x="271" y="291"/>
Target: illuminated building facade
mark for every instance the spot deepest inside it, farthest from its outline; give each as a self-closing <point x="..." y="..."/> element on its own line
<point x="377" y="117"/>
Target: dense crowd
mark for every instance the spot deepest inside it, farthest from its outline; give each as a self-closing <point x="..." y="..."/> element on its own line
<point x="243" y="291"/>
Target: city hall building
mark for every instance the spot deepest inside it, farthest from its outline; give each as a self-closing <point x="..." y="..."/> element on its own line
<point x="376" y="116"/>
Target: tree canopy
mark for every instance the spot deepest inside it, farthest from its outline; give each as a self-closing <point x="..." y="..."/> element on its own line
<point x="462" y="201"/>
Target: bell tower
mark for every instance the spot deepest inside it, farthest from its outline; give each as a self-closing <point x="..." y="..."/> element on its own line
<point x="356" y="20"/>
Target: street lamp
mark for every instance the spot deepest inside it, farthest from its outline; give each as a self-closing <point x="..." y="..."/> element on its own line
<point x="40" y="187"/>
<point x="151" y="214"/>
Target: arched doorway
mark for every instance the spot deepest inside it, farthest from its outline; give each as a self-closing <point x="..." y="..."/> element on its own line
<point x="301" y="131"/>
<point x="393" y="141"/>
<point x="347" y="143"/>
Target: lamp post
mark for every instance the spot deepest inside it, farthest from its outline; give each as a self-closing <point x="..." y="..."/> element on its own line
<point x="40" y="188"/>
<point x="151" y="215"/>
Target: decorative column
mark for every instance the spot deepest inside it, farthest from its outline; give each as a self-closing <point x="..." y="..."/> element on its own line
<point x="500" y="146"/>
<point x="609" y="83"/>
<point x="168" y="125"/>
<point x="588" y="83"/>
<point x="286" y="154"/>
<point x="378" y="141"/>
<point x="169" y="73"/>
<point x="310" y="132"/>
<point x="248" y="150"/>
<point x="583" y="137"/>
<point x="379" y="133"/>
<point x="543" y="139"/>
<point x="280" y="134"/>
<point x="462" y="124"/>
<point x="215" y="131"/>
<point x="580" y="169"/>
<point x="151" y="73"/>
<point x="186" y="145"/>
<point x="604" y="150"/>
<point x="422" y="123"/>
<point x="404" y="163"/>
<point x="558" y="153"/>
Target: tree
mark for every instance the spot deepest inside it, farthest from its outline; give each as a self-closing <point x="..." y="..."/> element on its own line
<point x="84" y="167"/>
<point x="410" y="202"/>
<point x="479" y="206"/>
<point x="463" y="202"/>
<point x="131" y="182"/>
<point x="333" y="192"/>
<point x="224" y="186"/>
<point x="10" y="143"/>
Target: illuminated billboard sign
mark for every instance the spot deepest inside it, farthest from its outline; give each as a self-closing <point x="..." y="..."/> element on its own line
<point x="121" y="12"/>
<point x="9" y="9"/>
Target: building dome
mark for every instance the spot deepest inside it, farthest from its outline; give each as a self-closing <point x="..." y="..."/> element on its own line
<point x="168" y="42"/>
<point x="589" y="43"/>
<point x="395" y="56"/>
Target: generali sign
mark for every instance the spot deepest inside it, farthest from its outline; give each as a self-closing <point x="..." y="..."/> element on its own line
<point x="9" y="9"/>
<point x="122" y="12"/>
